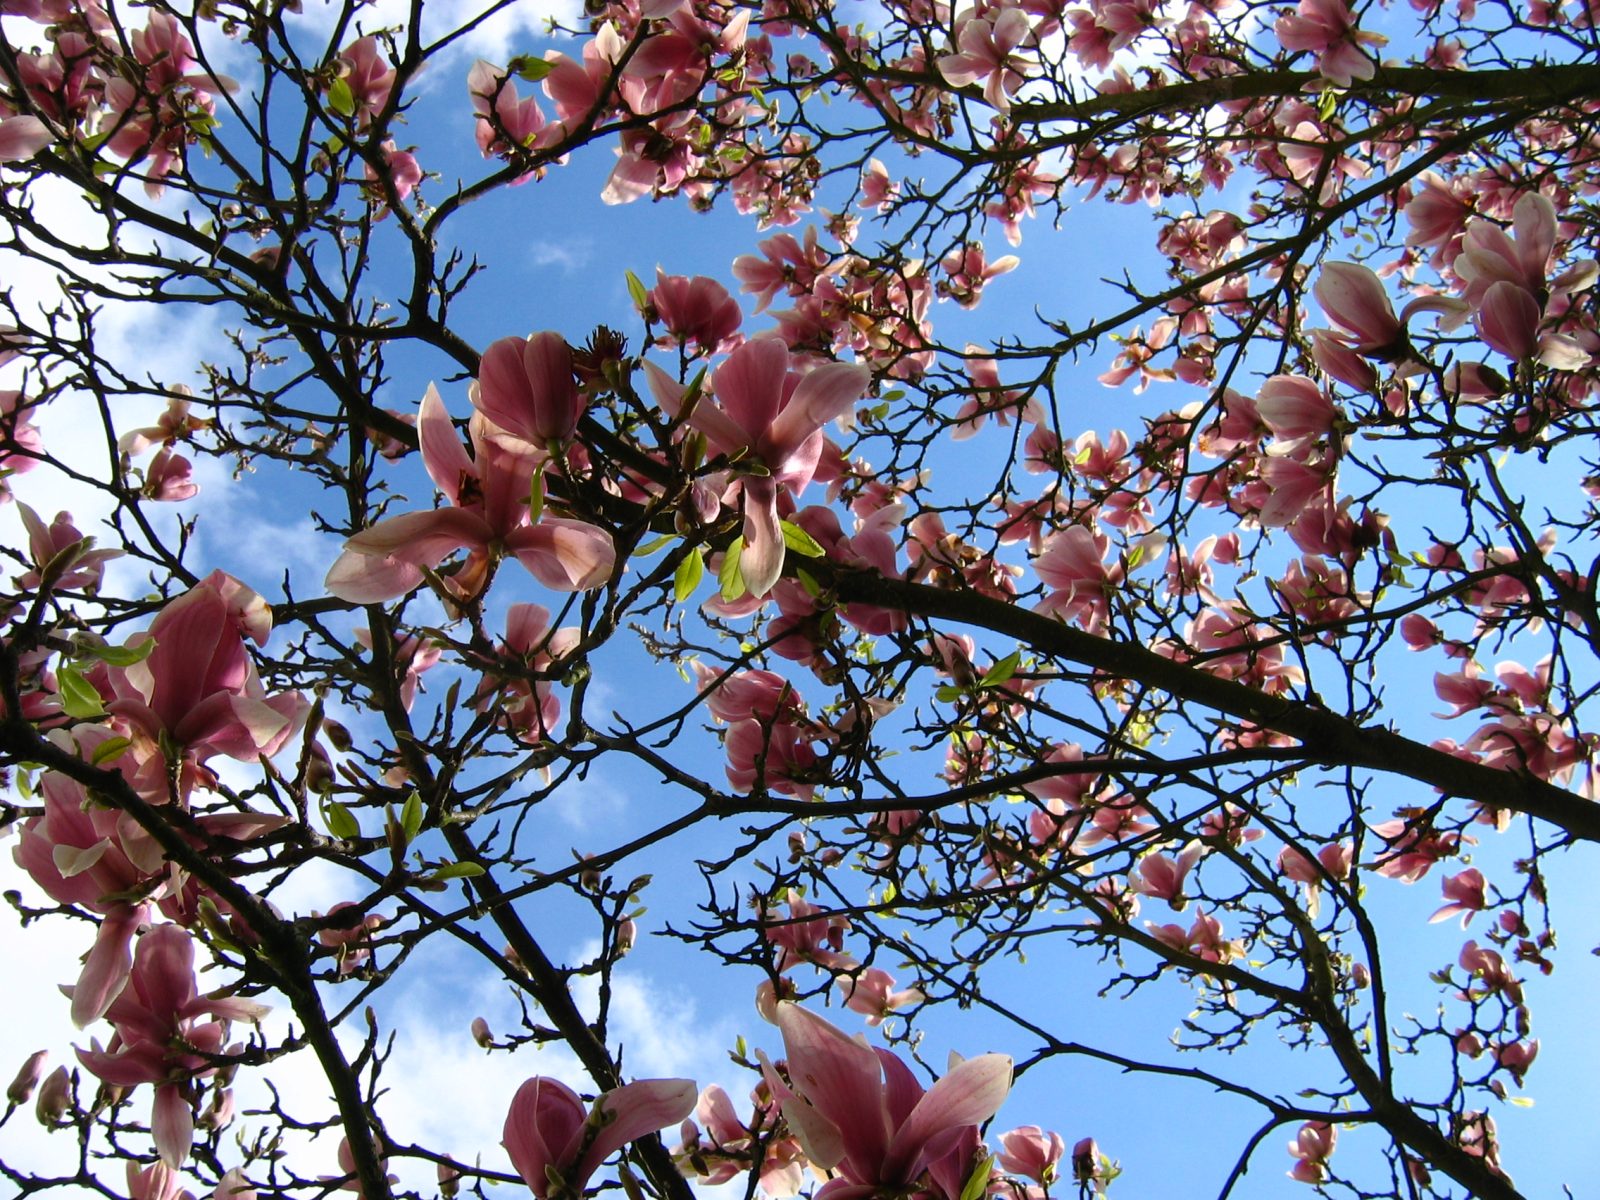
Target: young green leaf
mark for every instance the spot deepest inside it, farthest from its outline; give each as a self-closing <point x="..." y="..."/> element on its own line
<point x="688" y="575"/>
<point x="341" y="99"/>
<point x="637" y="292"/>
<point x="411" y="817"/>
<point x="1002" y="670"/>
<point x="459" y="870"/>
<point x="730" y="579"/>
<point x="341" y="821"/>
<point x="799" y="540"/>
<point x="78" y="697"/>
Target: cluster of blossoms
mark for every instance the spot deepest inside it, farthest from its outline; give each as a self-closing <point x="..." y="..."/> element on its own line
<point x="852" y="1115"/>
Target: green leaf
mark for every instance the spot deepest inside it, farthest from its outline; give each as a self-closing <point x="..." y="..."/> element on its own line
<point x="341" y="99"/>
<point x="536" y="496"/>
<point x="1002" y="670"/>
<point x="529" y="68"/>
<point x="978" y="1181"/>
<point x="78" y="697"/>
<point x="117" y="656"/>
<point x="340" y="821"/>
<point x="730" y="579"/>
<point x="459" y="870"/>
<point x="799" y="540"/>
<point x="653" y="545"/>
<point x="948" y="694"/>
<point x="109" y="749"/>
<point x="688" y="575"/>
<point x="411" y="817"/>
<point x="812" y="587"/>
<point x="638" y="292"/>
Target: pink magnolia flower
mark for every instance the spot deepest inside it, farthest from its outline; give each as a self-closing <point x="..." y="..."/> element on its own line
<point x="1030" y="1151"/>
<point x="1517" y="1057"/>
<point x="548" y="1130"/>
<point x="1354" y="299"/>
<point x="1466" y="893"/>
<point x="368" y="75"/>
<point x="987" y="53"/>
<point x="526" y="387"/>
<point x="159" y="1038"/>
<point x="28" y="1077"/>
<point x="510" y="687"/>
<point x="505" y="121"/>
<point x="198" y="688"/>
<point x="488" y="492"/>
<point x="175" y="424"/>
<point x="84" y="566"/>
<point x="1162" y="878"/>
<point x="698" y="310"/>
<point x="1327" y="28"/>
<point x="1073" y="566"/>
<point x="807" y="935"/>
<point x="871" y="992"/>
<point x="1297" y="411"/>
<point x="21" y="137"/>
<point x="1311" y="1148"/>
<point x="169" y="477"/>
<point x="770" y="417"/>
<point x="862" y="1113"/>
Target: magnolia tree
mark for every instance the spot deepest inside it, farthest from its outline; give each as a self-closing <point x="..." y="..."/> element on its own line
<point x="959" y="681"/>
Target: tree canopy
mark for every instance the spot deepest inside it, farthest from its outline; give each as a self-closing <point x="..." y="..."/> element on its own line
<point x="1099" y="551"/>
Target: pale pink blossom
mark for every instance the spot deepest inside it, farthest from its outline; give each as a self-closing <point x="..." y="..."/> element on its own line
<point x="489" y="515"/>
<point x="1311" y="1148"/>
<point x="991" y="51"/>
<point x="871" y="992"/>
<point x="1466" y="893"/>
<point x="1327" y="28"/>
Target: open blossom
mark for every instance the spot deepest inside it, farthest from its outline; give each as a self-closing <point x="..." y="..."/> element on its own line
<point x="771" y="416"/>
<point x="159" y="1038"/>
<point x="1327" y="28"/>
<point x="1162" y="878"/>
<point x="1030" y="1151"/>
<point x="697" y="310"/>
<point x="488" y="516"/>
<point x="549" y="1131"/>
<point x="1466" y="893"/>
<point x="871" y="992"/>
<point x="991" y="51"/>
<point x="862" y="1113"/>
<point x="198" y="689"/>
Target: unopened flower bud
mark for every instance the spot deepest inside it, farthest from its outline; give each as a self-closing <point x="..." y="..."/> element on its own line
<point x="219" y="1114"/>
<point x="1085" y="1160"/>
<point x="481" y="1033"/>
<point x="449" y="1179"/>
<point x="1360" y="976"/>
<point x="55" y="1097"/>
<point x="627" y="934"/>
<point x="27" y="1079"/>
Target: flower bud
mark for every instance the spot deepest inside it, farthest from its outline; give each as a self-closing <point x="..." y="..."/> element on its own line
<point x="481" y="1033"/>
<point x="449" y="1179"/>
<point x="55" y="1097"/>
<point x="27" y="1079"/>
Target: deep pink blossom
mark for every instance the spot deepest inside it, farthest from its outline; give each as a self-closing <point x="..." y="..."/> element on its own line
<point x="768" y="415"/>
<point x="548" y="1129"/>
<point x="862" y="1113"/>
